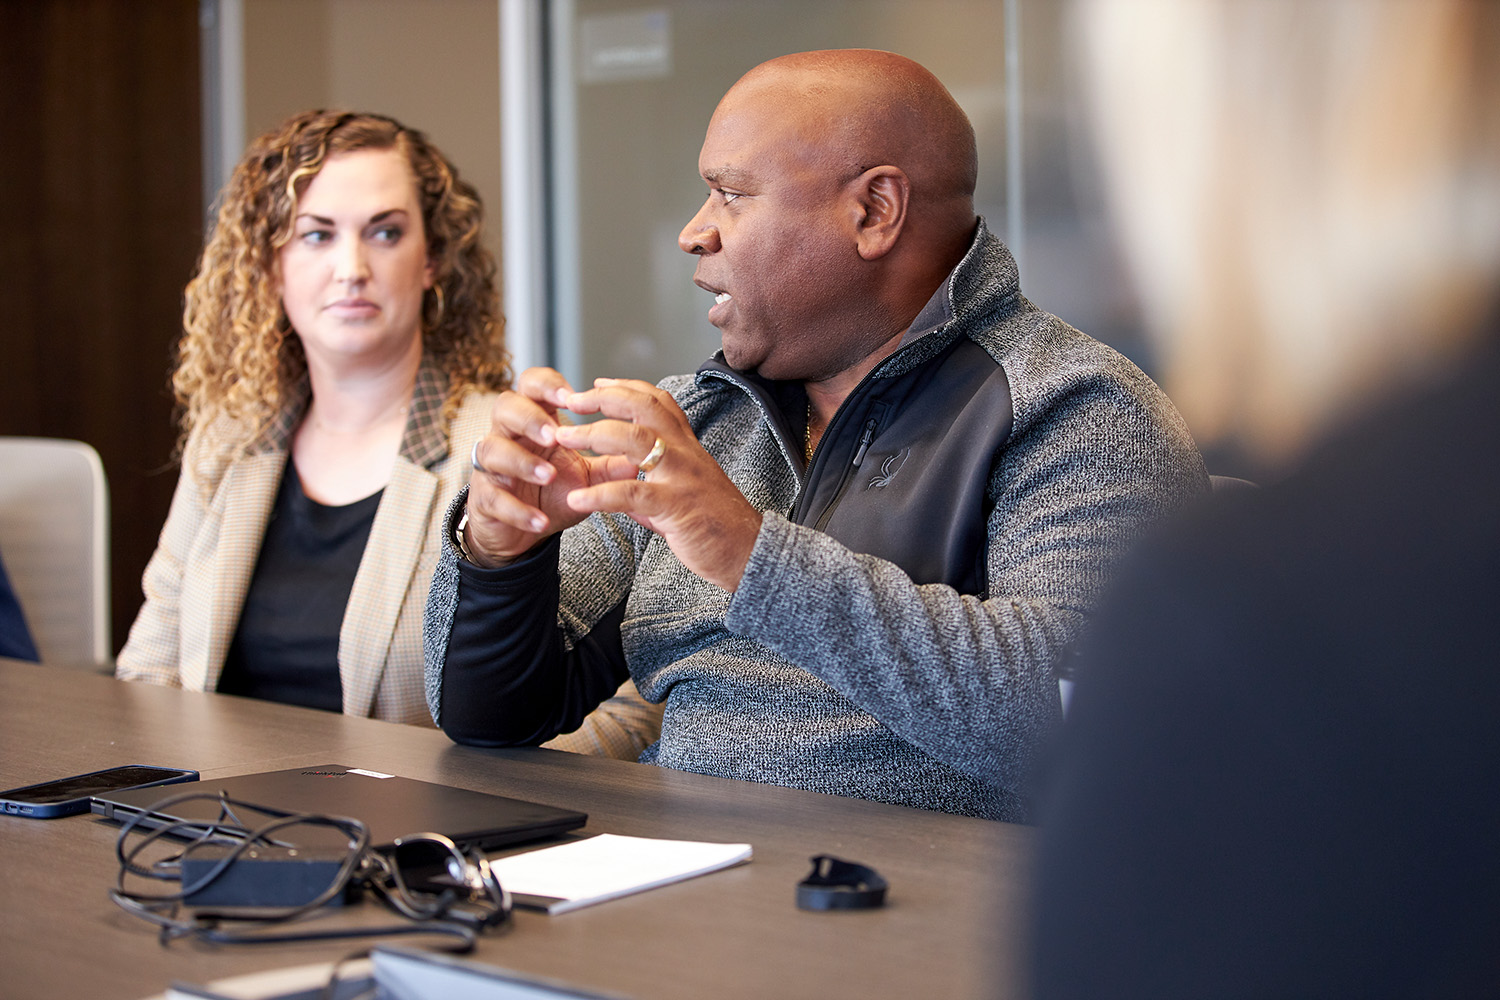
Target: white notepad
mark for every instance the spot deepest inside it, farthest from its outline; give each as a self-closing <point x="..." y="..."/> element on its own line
<point x="565" y="877"/>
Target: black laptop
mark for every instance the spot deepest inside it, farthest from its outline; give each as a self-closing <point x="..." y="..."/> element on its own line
<point x="390" y="805"/>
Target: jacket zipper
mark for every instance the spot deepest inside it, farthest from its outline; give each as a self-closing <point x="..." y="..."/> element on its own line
<point x="805" y="478"/>
<point x="859" y="456"/>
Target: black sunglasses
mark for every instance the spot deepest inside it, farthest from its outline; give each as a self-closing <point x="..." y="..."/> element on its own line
<point x="432" y="878"/>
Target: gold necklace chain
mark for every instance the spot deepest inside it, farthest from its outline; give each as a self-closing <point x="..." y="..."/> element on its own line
<point x="807" y="445"/>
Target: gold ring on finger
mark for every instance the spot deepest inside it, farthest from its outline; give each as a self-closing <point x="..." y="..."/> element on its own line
<point x="653" y="457"/>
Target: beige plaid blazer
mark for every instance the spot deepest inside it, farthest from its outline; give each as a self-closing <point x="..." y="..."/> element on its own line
<point x="195" y="583"/>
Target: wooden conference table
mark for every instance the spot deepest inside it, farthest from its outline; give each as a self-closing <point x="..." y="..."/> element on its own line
<point x="949" y="928"/>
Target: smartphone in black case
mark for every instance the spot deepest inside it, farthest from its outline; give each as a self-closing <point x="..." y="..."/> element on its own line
<point x="67" y="796"/>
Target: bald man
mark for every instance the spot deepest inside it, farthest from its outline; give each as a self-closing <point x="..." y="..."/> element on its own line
<point x="847" y="552"/>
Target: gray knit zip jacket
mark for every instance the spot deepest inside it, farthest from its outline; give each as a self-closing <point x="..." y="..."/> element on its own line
<point x="896" y="628"/>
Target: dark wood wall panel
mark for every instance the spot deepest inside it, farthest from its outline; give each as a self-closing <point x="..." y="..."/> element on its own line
<point x="100" y="223"/>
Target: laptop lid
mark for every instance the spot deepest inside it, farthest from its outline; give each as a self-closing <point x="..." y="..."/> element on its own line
<point x="390" y="805"/>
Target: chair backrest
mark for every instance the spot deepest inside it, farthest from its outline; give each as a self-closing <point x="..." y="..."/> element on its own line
<point x="54" y="532"/>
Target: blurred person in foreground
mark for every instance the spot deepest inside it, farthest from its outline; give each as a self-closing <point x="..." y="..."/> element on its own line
<point x="1279" y="774"/>
<point x="341" y="352"/>
<point x="866" y="527"/>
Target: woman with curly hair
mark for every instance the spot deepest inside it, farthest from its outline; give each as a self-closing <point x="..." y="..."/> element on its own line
<point x="340" y="355"/>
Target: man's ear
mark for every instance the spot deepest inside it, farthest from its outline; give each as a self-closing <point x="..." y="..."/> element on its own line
<point x="880" y="195"/>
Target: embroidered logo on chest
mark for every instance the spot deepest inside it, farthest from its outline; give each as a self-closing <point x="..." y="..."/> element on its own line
<point x="888" y="470"/>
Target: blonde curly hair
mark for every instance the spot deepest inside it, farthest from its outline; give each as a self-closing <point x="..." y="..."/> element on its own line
<point x="238" y="358"/>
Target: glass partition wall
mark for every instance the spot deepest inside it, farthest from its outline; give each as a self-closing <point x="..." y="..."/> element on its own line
<point x="606" y="176"/>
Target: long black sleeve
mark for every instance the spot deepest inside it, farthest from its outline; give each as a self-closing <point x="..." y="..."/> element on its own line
<point x="508" y="677"/>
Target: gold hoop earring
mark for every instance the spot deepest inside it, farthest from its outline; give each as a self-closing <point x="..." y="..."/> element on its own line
<point x="437" y="291"/>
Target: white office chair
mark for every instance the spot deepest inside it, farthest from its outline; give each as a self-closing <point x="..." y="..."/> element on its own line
<point x="54" y="534"/>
